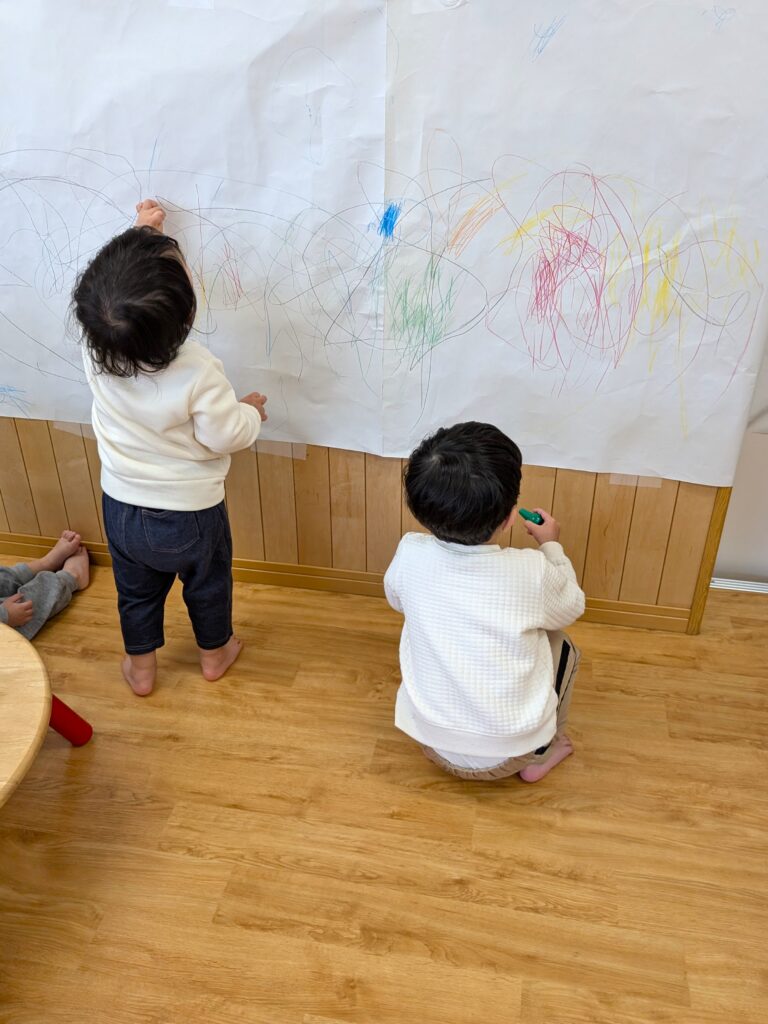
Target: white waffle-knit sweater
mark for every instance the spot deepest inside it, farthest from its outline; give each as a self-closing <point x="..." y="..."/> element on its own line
<point x="165" y="438"/>
<point x="476" y="664"/>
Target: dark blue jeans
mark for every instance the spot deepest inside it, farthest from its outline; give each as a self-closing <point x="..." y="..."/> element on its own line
<point x="150" y="548"/>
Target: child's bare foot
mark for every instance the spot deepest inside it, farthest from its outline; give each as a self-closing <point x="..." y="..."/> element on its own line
<point x="561" y="748"/>
<point x="139" y="671"/>
<point x="66" y="546"/>
<point x="216" y="662"/>
<point x="77" y="565"/>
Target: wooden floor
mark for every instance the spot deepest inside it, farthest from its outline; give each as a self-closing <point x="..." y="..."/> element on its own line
<point x="268" y="849"/>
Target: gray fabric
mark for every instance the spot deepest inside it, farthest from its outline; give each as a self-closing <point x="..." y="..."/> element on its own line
<point x="49" y="592"/>
<point x="12" y="577"/>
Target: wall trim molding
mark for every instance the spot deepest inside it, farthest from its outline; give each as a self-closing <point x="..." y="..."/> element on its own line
<point x="366" y="584"/>
<point x="709" y="556"/>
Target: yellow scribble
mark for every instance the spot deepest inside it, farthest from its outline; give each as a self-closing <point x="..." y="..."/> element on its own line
<point x="661" y="265"/>
<point x="525" y="229"/>
<point x="568" y="214"/>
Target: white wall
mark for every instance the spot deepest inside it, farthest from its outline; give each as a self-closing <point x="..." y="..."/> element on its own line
<point x="743" y="551"/>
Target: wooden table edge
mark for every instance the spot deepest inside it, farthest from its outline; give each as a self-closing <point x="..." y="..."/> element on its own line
<point x="12" y="783"/>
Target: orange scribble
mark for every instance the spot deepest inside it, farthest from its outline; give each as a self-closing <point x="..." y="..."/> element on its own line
<point x="472" y="221"/>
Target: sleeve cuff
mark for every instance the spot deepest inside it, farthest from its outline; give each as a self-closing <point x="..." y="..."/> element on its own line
<point x="552" y="551"/>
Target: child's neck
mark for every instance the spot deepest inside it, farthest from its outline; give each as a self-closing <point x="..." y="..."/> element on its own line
<point x="498" y="536"/>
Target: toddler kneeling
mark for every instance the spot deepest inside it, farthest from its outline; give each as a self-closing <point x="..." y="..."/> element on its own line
<point x="487" y="674"/>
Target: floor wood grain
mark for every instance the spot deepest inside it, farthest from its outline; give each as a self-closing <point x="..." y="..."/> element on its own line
<point x="268" y="849"/>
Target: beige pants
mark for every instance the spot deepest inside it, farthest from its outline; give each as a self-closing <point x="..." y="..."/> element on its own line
<point x="565" y="657"/>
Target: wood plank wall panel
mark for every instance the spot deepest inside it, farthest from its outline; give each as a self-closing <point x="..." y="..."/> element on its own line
<point x="244" y="506"/>
<point x="346" y="471"/>
<point x="43" y="476"/>
<point x="14" y="484"/>
<point x="648" y="538"/>
<point x="278" y="506"/>
<point x="75" y="477"/>
<point x="383" y="511"/>
<point x="572" y="507"/>
<point x="687" y="538"/>
<point x="608" y="536"/>
<point x="311" y="477"/>
<point x="94" y="468"/>
<point x="639" y="545"/>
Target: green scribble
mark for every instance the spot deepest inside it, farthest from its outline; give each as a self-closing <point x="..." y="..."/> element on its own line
<point x="419" y="311"/>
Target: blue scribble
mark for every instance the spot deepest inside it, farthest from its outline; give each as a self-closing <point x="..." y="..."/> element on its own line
<point x="721" y="15"/>
<point x="542" y="37"/>
<point x="389" y="219"/>
<point x="10" y="395"/>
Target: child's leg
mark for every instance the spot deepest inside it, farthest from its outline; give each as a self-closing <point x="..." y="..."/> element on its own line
<point x="141" y="593"/>
<point x="12" y="577"/>
<point x="503" y="770"/>
<point x="566" y="657"/>
<point x="50" y="593"/>
<point x="208" y="594"/>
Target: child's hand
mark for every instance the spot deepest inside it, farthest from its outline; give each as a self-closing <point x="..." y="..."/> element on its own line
<point x="549" y="529"/>
<point x="150" y="215"/>
<point x="257" y="401"/>
<point x="19" y="611"/>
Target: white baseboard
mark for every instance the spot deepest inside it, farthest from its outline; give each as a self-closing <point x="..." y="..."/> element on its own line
<point x="748" y="586"/>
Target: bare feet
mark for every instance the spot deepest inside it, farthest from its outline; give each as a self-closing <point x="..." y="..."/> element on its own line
<point x="216" y="662"/>
<point x="66" y="546"/>
<point x="560" y="749"/>
<point x="139" y="672"/>
<point x="77" y="565"/>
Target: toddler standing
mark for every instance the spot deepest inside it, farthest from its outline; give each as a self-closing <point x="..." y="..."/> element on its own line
<point x="166" y="420"/>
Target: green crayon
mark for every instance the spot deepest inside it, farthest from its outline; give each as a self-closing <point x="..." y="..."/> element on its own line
<point x="532" y="517"/>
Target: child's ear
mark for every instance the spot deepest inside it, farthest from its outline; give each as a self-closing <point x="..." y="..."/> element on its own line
<point x="510" y="518"/>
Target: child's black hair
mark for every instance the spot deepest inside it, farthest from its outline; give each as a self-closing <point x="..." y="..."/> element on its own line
<point x="463" y="482"/>
<point x="135" y="303"/>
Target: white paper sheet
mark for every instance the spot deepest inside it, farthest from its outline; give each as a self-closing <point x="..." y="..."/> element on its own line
<point x="259" y="126"/>
<point x="548" y="216"/>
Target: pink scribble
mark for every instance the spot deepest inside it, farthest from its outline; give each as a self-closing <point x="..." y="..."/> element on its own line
<point x="578" y="274"/>
<point x="562" y="255"/>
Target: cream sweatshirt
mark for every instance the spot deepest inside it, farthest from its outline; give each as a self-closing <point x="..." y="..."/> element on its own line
<point x="476" y="664"/>
<point x="165" y="438"/>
